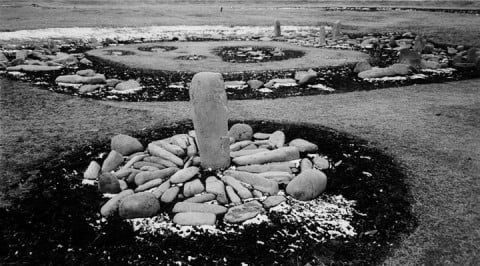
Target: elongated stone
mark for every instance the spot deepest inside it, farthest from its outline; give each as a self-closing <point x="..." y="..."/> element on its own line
<point x="195" y="218"/>
<point x="336" y="29"/>
<point x="277" y="31"/>
<point x="261" y="168"/>
<point x="209" y="105"/>
<point x="200" y="198"/>
<point x="246" y="152"/>
<point x="242" y="191"/>
<point x="321" y="36"/>
<point x="279" y="155"/>
<point x="184" y="175"/>
<point x="158" y="151"/>
<point x="258" y="182"/>
<point x="198" y="207"/>
<point x="146" y="176"/>
<point x="233" y="196"/>
<point x="177" y="150"/>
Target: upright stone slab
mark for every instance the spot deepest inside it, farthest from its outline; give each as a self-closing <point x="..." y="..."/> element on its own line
<point x="277" y="29"/>
<point x="209" y="104"/>
<point x="336" y="30"/>
<point x="321" y="36"/>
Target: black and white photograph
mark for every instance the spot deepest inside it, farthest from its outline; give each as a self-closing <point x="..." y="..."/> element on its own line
<point x="240" y="132"/>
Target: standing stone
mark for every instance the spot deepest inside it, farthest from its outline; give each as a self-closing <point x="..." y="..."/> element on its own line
<point x="419" y="44"/>
<point x="277" y="31"/>
<point x="209" y="103"/>
<point x="336" y="30"/>
<point x="321" y="38"/>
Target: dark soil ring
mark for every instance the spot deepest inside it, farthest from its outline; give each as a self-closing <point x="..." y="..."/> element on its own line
<point x="58" y="221"/>
<point x="255" y="54"/>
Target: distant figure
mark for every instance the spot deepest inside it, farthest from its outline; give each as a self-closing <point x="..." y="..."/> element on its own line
<point x="221" y="9"/>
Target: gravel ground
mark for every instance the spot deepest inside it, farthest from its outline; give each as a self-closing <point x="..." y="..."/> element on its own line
<point x="432" y="130"/>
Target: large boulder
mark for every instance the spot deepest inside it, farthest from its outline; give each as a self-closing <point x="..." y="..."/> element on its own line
<point x="139" y="205"/>
<point x="308" y="185"/>
<point x="125" y="144"/>
<point x="76" y="79"/>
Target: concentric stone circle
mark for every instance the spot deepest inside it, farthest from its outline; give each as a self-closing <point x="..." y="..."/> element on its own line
<point x="168" y="60"/>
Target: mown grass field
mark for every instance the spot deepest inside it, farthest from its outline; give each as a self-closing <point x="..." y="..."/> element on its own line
<point x="432" y="130"/>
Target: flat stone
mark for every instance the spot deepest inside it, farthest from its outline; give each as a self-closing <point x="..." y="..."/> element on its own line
<point x="241" y="191"/>
<point x="110" y="208"/>
<point x="139" y="205"/>
<point x="243" y="212"/>
<point x="92" y="171"/>
<point x="89" y="88"/>
<point x="273" y="201"/>
<point x="200" y="198"/>
<point x="217" y="187"/>
<point x="76" y="79"/>
<point x="34" y="68"/>
<point x="195" y="218"/>
<point x="125" y="144"/>
<point x="170" y="195"/>
<point x="129" y="86"/>
<point x="193" y="187"/>
<point x="258" y="182"/>
<point x="108" y="183"/>
<point x="255" y="84"/>
<point x="158" y="192"/>
<point x="320" y="163"/>
<point x="241" y="132"/>
<point x="113" y="160"/>
<point x="198" y="207"/>
<point x="303" y="145"/>
<point x="308" y="185"/>
<point x="146" y="176"/>
<point x="86" y="73"/>
<point x="279" y="155"/>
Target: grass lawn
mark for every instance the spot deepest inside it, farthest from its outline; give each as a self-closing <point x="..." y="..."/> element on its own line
<point x="432" y="130"/>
